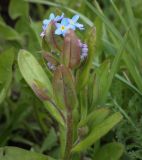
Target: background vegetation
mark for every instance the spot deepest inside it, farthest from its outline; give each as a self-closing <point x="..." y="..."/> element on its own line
<point x="24" y="122"/>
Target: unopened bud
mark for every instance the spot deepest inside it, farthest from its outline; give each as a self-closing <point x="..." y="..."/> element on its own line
<point x="51" y="41"/>
<point x="71" y="50"/>
<point x="83" y="131"/>
<point x="52" y="62"/>
<point x="64" y="88"/>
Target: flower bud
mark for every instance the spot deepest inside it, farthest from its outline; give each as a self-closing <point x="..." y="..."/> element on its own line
<point x="52" y="62"/>
<point x="71" y="50"/>
<point x="51" y="41"/>
<point x="64" y="88"/>
<point x="83" y="131"/>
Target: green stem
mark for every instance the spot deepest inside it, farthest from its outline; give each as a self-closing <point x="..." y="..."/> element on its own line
<point x="69" y="134"/>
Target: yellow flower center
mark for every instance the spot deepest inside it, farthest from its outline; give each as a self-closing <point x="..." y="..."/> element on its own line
<point x="62" y="27"/>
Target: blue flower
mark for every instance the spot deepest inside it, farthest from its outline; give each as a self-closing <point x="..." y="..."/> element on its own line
<point x="47" y="21"/>
<point x="62" y="27"/>
<point x="73" y="24"/>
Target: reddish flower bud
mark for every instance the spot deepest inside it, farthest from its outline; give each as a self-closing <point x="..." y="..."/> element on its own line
<point x="71" y="50"/>
<point x="64" y="88"/>
<point x="52" y="61"/>
<point x="50" y="40"/>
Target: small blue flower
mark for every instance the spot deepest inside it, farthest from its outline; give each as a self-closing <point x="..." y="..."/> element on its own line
<point x="47" y="21"/>
<point x="62" y="27"/>
<point x="73" y="24"/>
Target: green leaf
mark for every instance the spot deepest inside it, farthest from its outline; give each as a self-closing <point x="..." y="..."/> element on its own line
<point x="95" y="117"/>
<point x="98" y="131"/>
<point x="14" y="121"/>
<point x="101" y="83"/>
<point x="18" y="8"/>
<point x="133" y="69"/>
<point x="7" y="33"/>
<point x="99" y="33"/>
<point x="106" y="75"/>
<point x="14" y="153"/>
<point x="33" y="72"/>
<point x="132" y="19"/>
<point x="50" y="141"/>
<point x="31" y="31"/>
<point x="38" y="81"/>
<point x="111" y="151"/>
<point x="6" y="61"/>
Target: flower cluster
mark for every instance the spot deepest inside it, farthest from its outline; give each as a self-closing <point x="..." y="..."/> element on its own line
<point x="73" y="49"/>
<point x="62" y="24"/>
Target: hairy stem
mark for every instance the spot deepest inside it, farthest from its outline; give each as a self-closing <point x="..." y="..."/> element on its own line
<point x="69" y="134"/>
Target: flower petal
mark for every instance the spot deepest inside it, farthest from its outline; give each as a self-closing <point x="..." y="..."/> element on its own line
<point x="62" y="16"/>
<point x="84" y="49"/>
<point x="80" y="26"/>
<point x="75" y="18"/>
<point x="58" y="18"/>
<point x="42" y="34"/>
<point x="58" y="25"/>
<point x="65" y="21"/>
<point x="52" y="16"/>
<point x="46" y="22"/>
<point x="58" y="31"/>
<point x="64" y="32"/>
<point x="44" y="27"/>
<point x="71" y="27"/>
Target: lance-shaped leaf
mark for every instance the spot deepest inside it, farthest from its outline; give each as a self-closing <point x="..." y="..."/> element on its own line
<point x="95" y="117"/>
<point x="101" y="82"/>
<point x="14" y="153"/>
<point x="50" y="40"/>
<point x="34" y="74"/>
<point x="71" y="50"/>
<point x="38" y="81"/>
<point x="98" y="131"/>
<point x="64" y="88"/>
